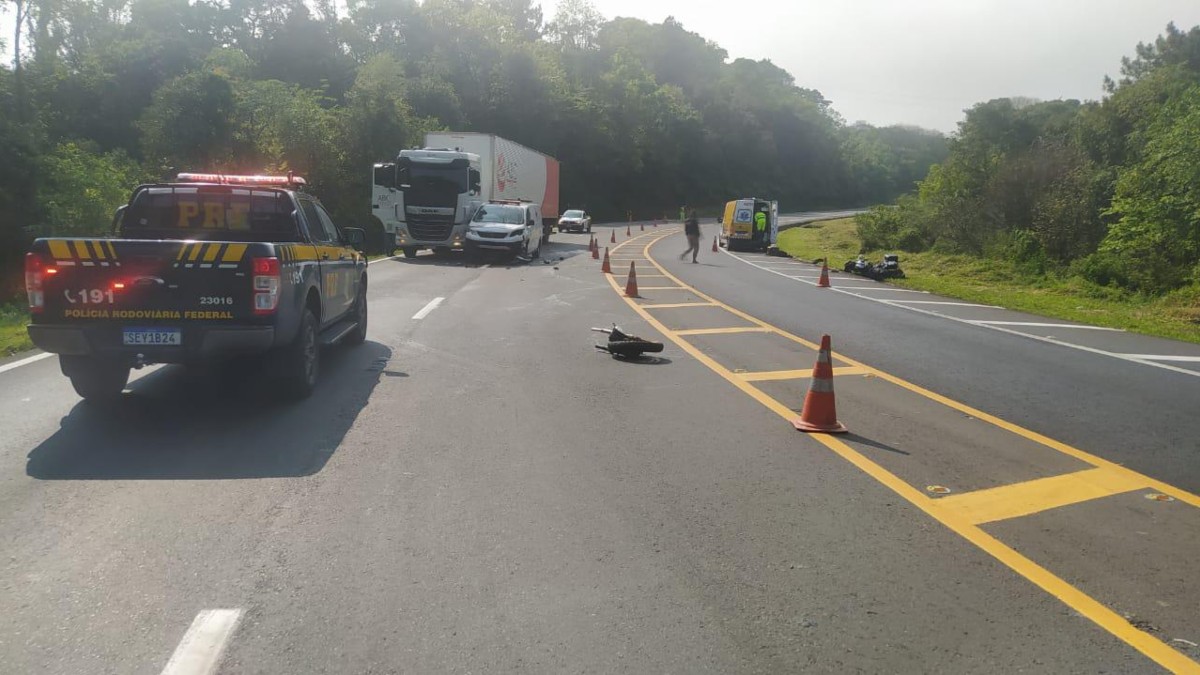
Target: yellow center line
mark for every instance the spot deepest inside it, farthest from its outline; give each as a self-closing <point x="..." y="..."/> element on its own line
<point x="672" y="305"/>
<point x="772" y="375"/>
<point x="722" y="331"/>
<point x="1102" y="616"/>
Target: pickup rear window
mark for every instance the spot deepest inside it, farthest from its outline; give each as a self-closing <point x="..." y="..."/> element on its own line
<point x="216" y="212"/>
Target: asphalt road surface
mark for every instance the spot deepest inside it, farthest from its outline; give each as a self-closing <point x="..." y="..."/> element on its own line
<point x="477" y="489"/>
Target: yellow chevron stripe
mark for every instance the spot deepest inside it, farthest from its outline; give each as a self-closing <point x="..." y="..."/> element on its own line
<point x="112" y="251"/>
<point x="195" y="252"/>
<point x="182" y="252"/>
<point x="100" y="255"/>
<point x="234" y="253"/>
<point x="81" y="250"/>
<point x="211" y="254"/>
<point x="60" y="250"/>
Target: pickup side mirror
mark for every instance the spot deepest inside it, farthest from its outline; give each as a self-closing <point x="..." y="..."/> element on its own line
<point x="118" y="217"/>
<point x="356" y="237"/>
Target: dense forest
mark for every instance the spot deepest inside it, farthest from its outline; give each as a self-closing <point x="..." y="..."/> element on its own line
<point x="644" y="117"/>
<point x="1107" y="192"/>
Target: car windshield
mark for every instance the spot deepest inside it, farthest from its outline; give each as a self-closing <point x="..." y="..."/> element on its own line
<point x="573" y="214"/>
<point x="493" y="213"/>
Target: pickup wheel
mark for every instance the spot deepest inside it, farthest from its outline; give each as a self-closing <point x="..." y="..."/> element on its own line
<point x="301" y="363"/>
<point x="359" y="334"/>
<point x="95" y="380"/>
<point x="410" y="251"/>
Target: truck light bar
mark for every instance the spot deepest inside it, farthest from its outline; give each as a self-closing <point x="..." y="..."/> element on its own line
<point x="227" y="179"/>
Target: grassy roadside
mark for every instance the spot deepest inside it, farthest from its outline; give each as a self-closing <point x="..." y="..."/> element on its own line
<point x="997" y="282"/>
<point x="13" y="336"/>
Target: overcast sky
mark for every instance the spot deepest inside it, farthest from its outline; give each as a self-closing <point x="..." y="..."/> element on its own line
<point x="925" y="61"/>
<point x="918" y="61"/>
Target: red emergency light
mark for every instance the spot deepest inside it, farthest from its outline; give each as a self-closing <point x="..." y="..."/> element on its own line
<point x="227" y="179"/>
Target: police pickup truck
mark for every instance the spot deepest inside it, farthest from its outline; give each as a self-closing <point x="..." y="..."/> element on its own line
<point x="202" y="270"/>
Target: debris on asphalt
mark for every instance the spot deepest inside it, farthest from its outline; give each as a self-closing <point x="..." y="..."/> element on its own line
<point x="1186" y="643"/>
<point x="624" y="346"/>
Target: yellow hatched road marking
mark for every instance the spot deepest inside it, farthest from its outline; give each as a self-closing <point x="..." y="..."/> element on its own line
<point x="722" y="331"/>
<point x="773" y="375"/>
<point x="1029" y="497"/>
<point x="670" y="305"/>
<point x="60" y="250"/>
<point x="1150" y="646"/>
<point x="81" y="250"/>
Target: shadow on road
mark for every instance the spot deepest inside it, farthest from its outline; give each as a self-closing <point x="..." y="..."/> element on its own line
<point x="175" y="424"/>
<point x="862" y="440"/>
<point x="642" y="361"/>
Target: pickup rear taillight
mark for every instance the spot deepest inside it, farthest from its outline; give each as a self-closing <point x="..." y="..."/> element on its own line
<point x="37" y="268"/>
<point x="265" y="282"/>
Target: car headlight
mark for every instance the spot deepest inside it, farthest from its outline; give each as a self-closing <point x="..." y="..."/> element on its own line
<point x="517" y="233"/>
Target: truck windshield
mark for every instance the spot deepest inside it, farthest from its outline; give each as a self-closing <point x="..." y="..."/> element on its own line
<point x="210" y="212"/>
<point x="433" y="177"/>
<point x="492" y="213"/>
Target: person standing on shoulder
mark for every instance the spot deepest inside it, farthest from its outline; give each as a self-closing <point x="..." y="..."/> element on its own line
<point x="691" y="229"/>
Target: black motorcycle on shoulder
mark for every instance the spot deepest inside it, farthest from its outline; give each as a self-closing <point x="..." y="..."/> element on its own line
<point x="889" y="268"/>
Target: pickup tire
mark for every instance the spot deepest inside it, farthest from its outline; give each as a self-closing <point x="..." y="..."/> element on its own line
<point x="301" y="362"/>
<point x="359" y="334"/>
<point x="95" y="380"/>
<point x="410" y="251"/>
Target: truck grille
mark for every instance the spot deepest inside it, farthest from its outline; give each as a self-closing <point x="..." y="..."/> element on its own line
<point x="427" y="231"/>
<point x="493" y="235"/>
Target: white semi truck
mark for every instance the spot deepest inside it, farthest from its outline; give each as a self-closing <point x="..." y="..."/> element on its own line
<point x="426" y="198"/>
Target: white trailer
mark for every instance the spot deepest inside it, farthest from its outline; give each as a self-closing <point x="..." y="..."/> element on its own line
<point x="424" y="202"/>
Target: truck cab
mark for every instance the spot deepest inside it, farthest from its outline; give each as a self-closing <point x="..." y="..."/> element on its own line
<point x="426" y="198"/>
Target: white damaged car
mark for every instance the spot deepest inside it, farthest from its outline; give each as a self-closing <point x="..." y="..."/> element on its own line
<point x="511" y="226"/>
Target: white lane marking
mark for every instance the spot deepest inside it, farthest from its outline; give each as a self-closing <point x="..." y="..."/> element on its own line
<point x="1035" y="324"/>
<point x="391" y="257"/>
<point x="973" y="322"/>
<point x="881" y="287"/>
<point x="1163" y="357"/>
<point x="433" y="304"/>
<point x="200" y="650"/>
<point x="25" y="361"/>
<point x="944" y="302"/>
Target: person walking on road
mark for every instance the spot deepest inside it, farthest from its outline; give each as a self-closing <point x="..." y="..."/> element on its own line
<point x="691" y="228"/>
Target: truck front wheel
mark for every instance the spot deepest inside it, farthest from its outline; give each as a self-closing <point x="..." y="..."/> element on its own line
<point x="93" y="379"/>
<point x="410" y="251"/>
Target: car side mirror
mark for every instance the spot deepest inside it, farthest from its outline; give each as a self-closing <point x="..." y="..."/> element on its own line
<point x="530" y="223"/>
<point x="356" y="237"/>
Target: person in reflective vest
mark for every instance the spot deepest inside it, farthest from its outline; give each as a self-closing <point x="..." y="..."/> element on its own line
<point x="760" y="225"/>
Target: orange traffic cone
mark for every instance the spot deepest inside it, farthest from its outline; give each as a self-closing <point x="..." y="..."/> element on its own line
<point x="716" y="248"/>
<point x="605" y="266"/>
<point x="656" y="223"/>
<point x="642" y="226"/>
<point x="627" y="232"/>
<point x="612" y="239"/>
<point x="595" y="250"/>
<point x="631" y="285"/>
<point x="820" y="411"/>
<point x="823" y="282"/>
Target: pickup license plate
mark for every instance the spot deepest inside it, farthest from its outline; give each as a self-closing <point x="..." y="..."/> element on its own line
<point x="153" y="336"/>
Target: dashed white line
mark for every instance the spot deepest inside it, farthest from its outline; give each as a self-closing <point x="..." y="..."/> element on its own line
<point x="1035" y="324"/>
<point x="25" y="361"/>
<point x="433" y="304"/>
<point x="1132" y="358"/>
<point x="200" y="650"/>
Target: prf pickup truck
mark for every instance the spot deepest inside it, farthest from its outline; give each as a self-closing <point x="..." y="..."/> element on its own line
<point x="202" y="269"/>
